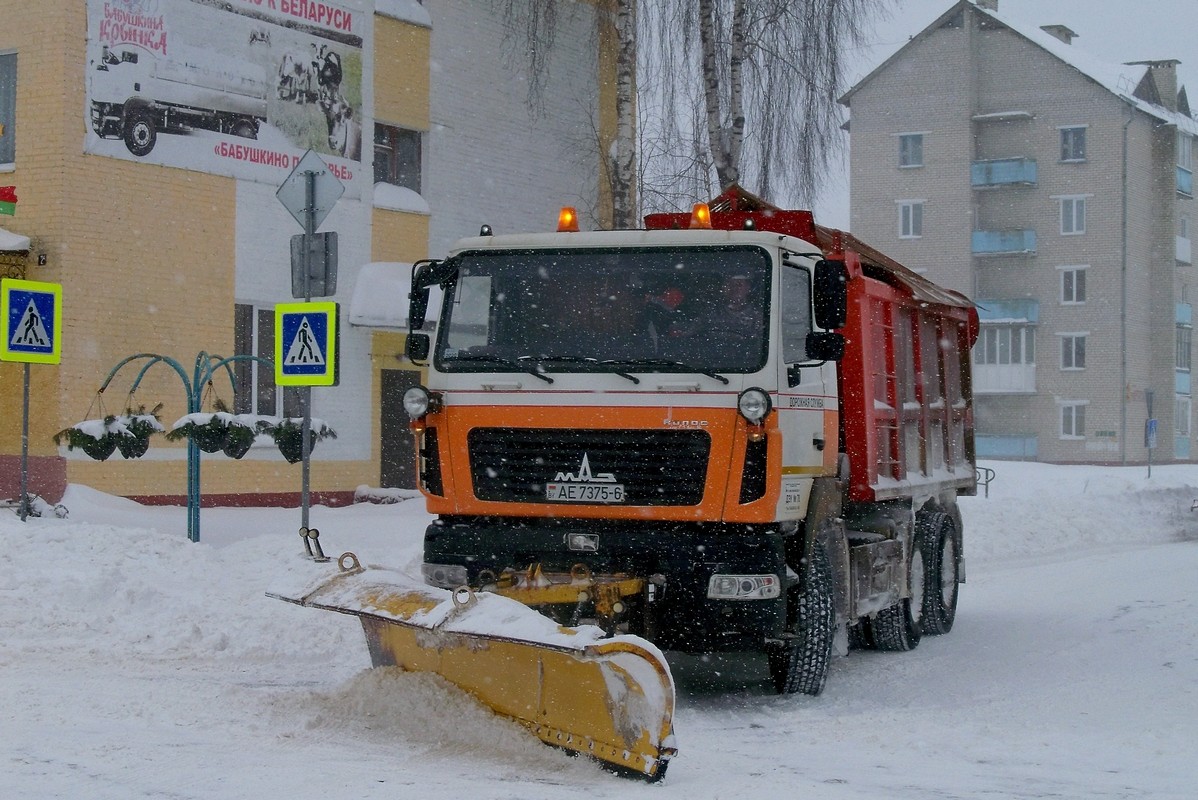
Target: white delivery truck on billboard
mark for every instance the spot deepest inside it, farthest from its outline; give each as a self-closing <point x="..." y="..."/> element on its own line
<point x="135" y="95"/>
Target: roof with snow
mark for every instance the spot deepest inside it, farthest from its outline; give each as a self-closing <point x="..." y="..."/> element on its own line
<point x="1133" y="82"/>
<point x="13" y="242"/>
<point x="380" y="298"/>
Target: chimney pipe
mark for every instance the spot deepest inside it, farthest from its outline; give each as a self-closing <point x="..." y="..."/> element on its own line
<point x="1164" y="75"/>
<point x="1061" y="32"/>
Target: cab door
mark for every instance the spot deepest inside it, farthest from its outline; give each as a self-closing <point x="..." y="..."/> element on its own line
<point x="807" y="405"/>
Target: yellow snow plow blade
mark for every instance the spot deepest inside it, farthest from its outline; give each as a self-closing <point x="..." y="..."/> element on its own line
<point x="610" y="698"/>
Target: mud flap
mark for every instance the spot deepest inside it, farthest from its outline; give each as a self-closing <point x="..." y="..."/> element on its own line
<point x="610" y="698"/>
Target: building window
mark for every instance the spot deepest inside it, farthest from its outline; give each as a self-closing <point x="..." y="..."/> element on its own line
<point x="1073" y="143"/>
<point x="1185" y="163"/>
<point x="1073" y="285"/>
<point x="1005" y="344"/>
<point x="1073" y="215"/>
<point x="1181" y="415"/>
<point x="1073" y="350"/>
<point x="256" y="391"/>
<point x="8" y="108"/>
<point x="1184" y="341"/>
<point x="911" y="150"/>
<point x="910" y="219"/>
<point x="397" y="156"/>
<point x="1073" y="419"/>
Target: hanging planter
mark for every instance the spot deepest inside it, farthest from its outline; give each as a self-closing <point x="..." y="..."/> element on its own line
<point x="133" y="429"/>
<point x="95" y="437"/>
<point x="207" y="430"/>
<point x="239" y="438"/>
<point x="288" y="436"/>
<point x="219" y="431"/>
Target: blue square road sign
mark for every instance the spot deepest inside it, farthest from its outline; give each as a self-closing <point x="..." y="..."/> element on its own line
<point x="32" y="314"/>
<point x="306" y="344"/>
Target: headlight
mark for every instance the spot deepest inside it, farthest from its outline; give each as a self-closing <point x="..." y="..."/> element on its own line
<point x="416" y="402"/>
<point x="446" y="576"/>
<point x="743" y="587"/>
<point x="754" y="404"/>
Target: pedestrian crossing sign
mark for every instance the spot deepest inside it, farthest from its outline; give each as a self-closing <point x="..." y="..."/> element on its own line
<point x="306" y="344"/>
<point x="32" y="314"/>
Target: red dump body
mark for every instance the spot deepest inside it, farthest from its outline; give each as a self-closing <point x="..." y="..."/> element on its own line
<point x="906" y="400"/>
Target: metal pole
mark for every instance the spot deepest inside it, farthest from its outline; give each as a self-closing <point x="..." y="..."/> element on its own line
<point x="193" y="454"/>
<point x="23" y="505"/>
<point x="306" y="391"/>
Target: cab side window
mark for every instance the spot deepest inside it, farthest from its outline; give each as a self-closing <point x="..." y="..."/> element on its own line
<point x="796" y="313"/>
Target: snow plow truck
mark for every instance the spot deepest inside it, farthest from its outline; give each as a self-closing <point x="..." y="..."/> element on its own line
<point x="732" y="430"/>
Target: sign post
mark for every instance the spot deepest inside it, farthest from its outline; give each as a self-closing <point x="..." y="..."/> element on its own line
<point x="306" y="356"/>
<point x="32" y="314"/>
<point x="309" y="193"/>
<point x="1150" y="427"/>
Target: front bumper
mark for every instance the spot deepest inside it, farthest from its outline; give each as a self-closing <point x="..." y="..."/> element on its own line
<point x="676" y="562"/>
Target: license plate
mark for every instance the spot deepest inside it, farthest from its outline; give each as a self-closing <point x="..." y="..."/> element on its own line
<point x="585" y="492"/>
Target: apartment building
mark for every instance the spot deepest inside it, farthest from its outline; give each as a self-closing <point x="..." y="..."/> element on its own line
<point x="1057" y="191"/>
<point x="146" y="142"/>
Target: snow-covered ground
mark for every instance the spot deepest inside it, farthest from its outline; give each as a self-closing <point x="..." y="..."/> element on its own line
<point x="135" y="664"/>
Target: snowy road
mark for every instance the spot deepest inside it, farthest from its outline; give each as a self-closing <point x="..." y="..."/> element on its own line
<point x="137" y="665"/>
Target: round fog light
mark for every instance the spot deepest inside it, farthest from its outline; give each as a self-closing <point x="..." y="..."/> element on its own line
<point x="754" y="405"/>
<point x="416" y="402"/>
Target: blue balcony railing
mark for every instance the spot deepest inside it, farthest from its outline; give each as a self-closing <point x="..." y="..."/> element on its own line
<point x="1003" y="172"/>
<point x="1185" y="181"/>
<point x="994" y="243"/>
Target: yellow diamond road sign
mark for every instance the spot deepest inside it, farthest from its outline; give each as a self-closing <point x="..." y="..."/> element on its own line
<point x="306" y="344"/>
<point x="32" y="314"/>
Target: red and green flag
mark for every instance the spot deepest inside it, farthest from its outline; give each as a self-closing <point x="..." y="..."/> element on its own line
<point x="8" y="200"/>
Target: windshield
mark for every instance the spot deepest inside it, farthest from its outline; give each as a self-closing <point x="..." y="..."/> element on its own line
<point x="649" y="310"/>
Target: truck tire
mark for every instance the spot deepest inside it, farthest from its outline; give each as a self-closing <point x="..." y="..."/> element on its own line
<point x="900" y="627"/>
<point x="941" y="580"/>
<point x="799" y="662"/>
<point x="140" y="131"/>
<point x="245" y="129"/>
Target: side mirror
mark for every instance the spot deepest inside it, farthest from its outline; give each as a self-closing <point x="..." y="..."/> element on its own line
<point x="823" y="346"/>
<point x="831" y="294"/>
<point x="417" y="308"/>
<point x="417" y="347"/>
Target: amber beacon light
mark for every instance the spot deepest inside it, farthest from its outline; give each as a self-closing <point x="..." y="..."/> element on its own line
<point x="701" y="216"/>
<point x="567" y="220"/>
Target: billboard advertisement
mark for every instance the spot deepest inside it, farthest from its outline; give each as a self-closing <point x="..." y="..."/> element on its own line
<point x="232" y="87"/>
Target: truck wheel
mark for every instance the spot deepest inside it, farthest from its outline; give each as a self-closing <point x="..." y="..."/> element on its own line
<point x="900" y="627"/>
<point x="941" y="580"/>
<point x="140" y="132"/>
<point x="245" y="129"/>
<point x="799" y="662"/>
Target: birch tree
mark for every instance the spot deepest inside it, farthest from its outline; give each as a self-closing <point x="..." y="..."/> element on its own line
<point x="712" y="92"/>
<point x="768" y="72"/>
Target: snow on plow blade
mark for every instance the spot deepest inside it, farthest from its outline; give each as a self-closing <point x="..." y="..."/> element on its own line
<point x="610" y="698"/>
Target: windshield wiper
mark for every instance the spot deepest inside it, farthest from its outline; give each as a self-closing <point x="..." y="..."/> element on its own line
<point x="578" y="360"/>
<point x="505" y="361"/>
<point x="665" y="362"/>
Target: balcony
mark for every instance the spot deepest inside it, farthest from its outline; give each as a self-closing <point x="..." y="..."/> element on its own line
<point x="1004" y="379"/>
<point x="1001" y="172"/>
<point x="1004" y="243"/>
<point x="1185" y="182"/>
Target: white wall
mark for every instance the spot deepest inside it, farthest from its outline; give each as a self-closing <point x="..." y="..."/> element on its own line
<point x="486" y="160"/>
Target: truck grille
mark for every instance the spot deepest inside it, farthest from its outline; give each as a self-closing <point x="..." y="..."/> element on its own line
<point x="656" y="468"/>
